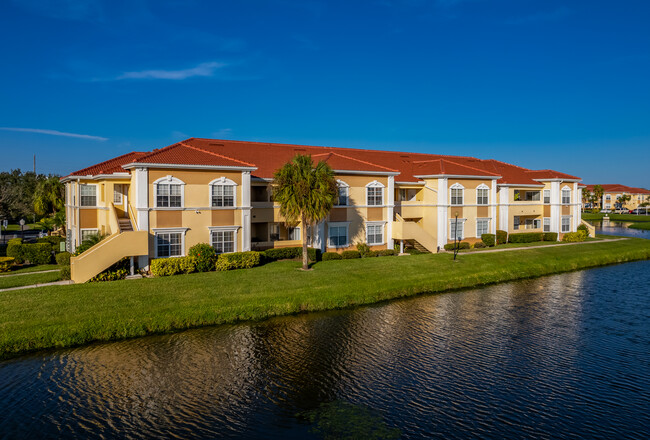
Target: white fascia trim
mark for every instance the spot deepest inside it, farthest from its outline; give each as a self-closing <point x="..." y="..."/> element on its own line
<point x="261" y="179"/>
<point x="557" y="180"/>
<point x="224" y="228"/>
<point x="368" y="173"/>
<point x="170" y="180"/>
<point x="454" y="176"/>
<point x="519" y="185"/>
<point x="223" y="181"/>
<point x="183" y="230"/>
<point x="375" y="184"/>
<point x="189" y="167"/>
<point x="375" y="222"/>
<point x="339" y="182"/>
<point x="419" y="183"/>
<point x="112" y="176"/>
<point x="482" y="186"/>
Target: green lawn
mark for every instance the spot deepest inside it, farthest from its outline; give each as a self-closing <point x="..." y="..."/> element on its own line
<point x="518" y="245"/>
<point x="27" y="280"/>
<point x="641" y="225"/>
<point x="60" y="316"/>
<point x="13" y="228"/>
<point x="29" y="268"/>
<point x="617" y="217"/>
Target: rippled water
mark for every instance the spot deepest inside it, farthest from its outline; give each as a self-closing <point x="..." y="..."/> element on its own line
<point x="564" y="356"/>
<point x="619" y="228"/>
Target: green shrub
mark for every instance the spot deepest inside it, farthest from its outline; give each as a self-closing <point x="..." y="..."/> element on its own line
<point x="489" y="239"/>
<point x="37" y="253"/>
<point x="290" y="253"/>
<point x="15" y="250"/>
<point x="386" y="253"/>
<point x="6" y="263"/>
<point x="110" y="275"/>
<point x="460" y="244"/>
<point x="550" y="236"/>
<point x="89" y="242"/>
<point x="584" y="228"/>
<point x="205" y="255"/>
<point x="502" y="237"/>
<point x="574" y="237"/>
<point x="526" y="237"/>
<point x="363" y="249"/>
<point x="350" y="255"/>
<point x="53" y="240"/>
<point x="238" y="260"/>
<point x="479" y="244"/>
<point x="65" y="272"/>
<point x="413" y="251"/>
<point x="372" y="254"/>
<point x="63" y="258"/>
<point x="332" y="256"/>
<point x="162" y="267"/>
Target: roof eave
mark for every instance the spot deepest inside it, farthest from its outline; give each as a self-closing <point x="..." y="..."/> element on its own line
<point x="455" y="176"/>
<point x="188" y="166"/>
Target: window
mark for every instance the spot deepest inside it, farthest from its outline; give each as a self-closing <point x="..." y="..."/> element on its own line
<point x="293" y="233"/>
<point x="529" y="223"/>
<point x="482" y="226"/>
<point x="223" y="195"/>
<point x="168" y="195"/>
<point x="118" y="190"/>
<point x="407" y="195"/>
<point x="259" y="194"/>
<point x="532" y="196"/>
<point x="547" y="224"/>
<point x="223" y="241"/>
<point x="566" y="224"/>
<point x="456" y="194"/>
<point x="374" y="233"/>
<point x="85" y="233"/>
<point x="482" y="192"/>
<point x="375" y="196"/>
<point x="88" y="195"/>
<point x="515" y="222"/>
<point x="537" y="223"/>
<point x="608" y="206"/>
<point x="169" y="244"/>
<point x="608" y="198"/>
<point x="343" y="195"/>
<point x="566" y="195"/>
<point x="547" y="196"/>
<point x="337" y="235"/>
<point x="456" y="229"/>
<point x="275" y="231"/>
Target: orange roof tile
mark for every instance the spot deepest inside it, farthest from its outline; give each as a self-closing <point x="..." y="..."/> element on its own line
<point x="110" y="166"/>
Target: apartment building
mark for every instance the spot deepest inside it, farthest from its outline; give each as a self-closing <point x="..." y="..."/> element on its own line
<point x="611" y="193"/>
<point x="158" y="204"/>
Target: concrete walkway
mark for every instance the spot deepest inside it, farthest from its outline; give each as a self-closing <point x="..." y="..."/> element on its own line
<point x="29" y="273"/>
<point x="55" y="283"/>
<point x="544" y="246"/>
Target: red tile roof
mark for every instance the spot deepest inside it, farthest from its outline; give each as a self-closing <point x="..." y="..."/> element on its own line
<point x="617" y="187"/>
<point x="110" y="166"/>
<point x="268" y="157"/>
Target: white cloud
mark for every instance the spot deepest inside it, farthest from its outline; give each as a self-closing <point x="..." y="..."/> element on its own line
<point x="203" y="69"/>
<point x="223" y="133"/>
<point x="54" y="133"/>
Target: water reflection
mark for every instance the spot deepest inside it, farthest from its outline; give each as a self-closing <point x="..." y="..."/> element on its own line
<point x="608" y="227"/>
<point x="561" y="356"/>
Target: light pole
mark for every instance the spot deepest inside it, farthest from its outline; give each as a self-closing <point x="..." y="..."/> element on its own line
<point x="455" y="234"/>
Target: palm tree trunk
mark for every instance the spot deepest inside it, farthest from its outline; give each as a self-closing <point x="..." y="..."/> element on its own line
<point x="305" y="255"/>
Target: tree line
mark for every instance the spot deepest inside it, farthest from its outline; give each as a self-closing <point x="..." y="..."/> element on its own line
<point x="31" y="196"/>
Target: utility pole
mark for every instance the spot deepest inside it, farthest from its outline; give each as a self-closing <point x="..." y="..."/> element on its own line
<point x="34" y="164"/>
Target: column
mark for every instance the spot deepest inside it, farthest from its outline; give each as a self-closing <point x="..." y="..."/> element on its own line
<point x="246" y="210"/>
<point x="390" y="208"/>
<point x="443" y="208"/>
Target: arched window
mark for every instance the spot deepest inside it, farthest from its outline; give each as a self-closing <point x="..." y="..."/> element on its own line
<point x="375" y="193"/>
<point x="566" y="195"/>
<point x="222" y="192"/>
<point x="344" y="193"/>
<point x="169" y="192"/>
<point x="456" y="194"/>
<point x="482" y="194"/>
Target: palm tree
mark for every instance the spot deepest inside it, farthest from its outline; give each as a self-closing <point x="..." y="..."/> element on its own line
<point x="306" y="194"/>
<point x="48" y="196"/>
<point x="598" y="193"/>
<point x="586" y="196"/>
<point x="622" y="200"/>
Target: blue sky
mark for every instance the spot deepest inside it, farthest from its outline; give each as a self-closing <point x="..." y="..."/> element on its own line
<point x="542" y="84"/>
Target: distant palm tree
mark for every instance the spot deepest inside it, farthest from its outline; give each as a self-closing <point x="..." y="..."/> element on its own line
<point x="48" y="196"/>
<point x="598" y="193"/>
<point x="306" y="194"/>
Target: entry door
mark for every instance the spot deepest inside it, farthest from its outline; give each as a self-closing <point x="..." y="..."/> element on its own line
<point x="120" y="199"/>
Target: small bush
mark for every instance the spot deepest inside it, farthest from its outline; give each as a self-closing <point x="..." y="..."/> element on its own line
<point x="480" y="244"/>
<point x="386" y="252"/>
<point x="163" y="267"/>
<point x="65" y="272"/>
<point x="63" y="258"/>
<point x="37" y="253"/>
<point x="574" y="237"/>
<point x="332" y="256"/>
<point x="413" y="251"/>
<point x="238" y="260"/>
<point x="526" y="237"/>
<point x="489" y="239"/>
<point x="53" y="240"/>
<point x="6" y="263"/>
<point x="502" y="237"/>
<point x="350" y="255"/>
<point x="205" y="256"/>
<point x="460" y="244"/>
<point x="363" y="249"/>
<point x="372" y="254"/>
<point x="290" y="253"/>
<point x="583" y="228"/>
<point x="110" y="275"/>
<point x="15" y="250"/>
<point x="550" y="236"/>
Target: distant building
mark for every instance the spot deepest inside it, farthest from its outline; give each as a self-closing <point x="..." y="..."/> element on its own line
<point x="611" y="193"/>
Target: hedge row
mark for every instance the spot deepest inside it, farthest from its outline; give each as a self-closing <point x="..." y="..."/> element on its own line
<point x="459" y="245"/>
<point x="238" y="260"/>
<point x="37" y="253"/>
<point x="162" y="267"/>
<point x="502" y="237"/>
<point x="350" y="255"/>
<point x="526" y="237"/>
<point x="290" y="253"/>
<point x="6" y="263"/>
<point x="489" y="239"/>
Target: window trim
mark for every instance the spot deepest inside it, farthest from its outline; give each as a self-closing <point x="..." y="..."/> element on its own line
<point x="483" y="187"/>
<point x="487" y="220"/>
<point x="81" y="185"/>
<point x="234" y="229"/>
<point x="462" y="221"/>
<point x="546" y="191"/>
<point x="222" y="181"/>
<point x="374" y="184"/>
<point x="168" y="180"/>
<point x="565" y="188"/>
<point x="462" y="194"/>
<point x="181" y="231"/>
<point x="341" y="184"/>
<point x="345" y="225"/>
<point x="545" y="221"/>
<point x="81" y="233"/>
<point x="383" y="233"/>
<point x="567" y="217"/>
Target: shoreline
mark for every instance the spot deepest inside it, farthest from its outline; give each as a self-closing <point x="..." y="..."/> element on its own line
<point x="76" y="315"/>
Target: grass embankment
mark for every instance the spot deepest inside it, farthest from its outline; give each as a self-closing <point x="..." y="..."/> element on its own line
<point x="28" y="279"/>
<point x="641" y="225"/>
<point x="617" y="217"/>
<point x="61" y="316"/>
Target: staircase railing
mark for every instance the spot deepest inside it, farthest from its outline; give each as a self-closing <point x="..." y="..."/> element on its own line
<point x="590" y="227"/>
<point x="403" y="230"/>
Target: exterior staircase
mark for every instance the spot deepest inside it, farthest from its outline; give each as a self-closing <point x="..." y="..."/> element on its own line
<point x="125" y="225"/>
<point x="413" y="233"/>
<point x="416" y="244"/>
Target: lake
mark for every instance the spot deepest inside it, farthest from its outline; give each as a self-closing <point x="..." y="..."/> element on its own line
<point x="564" y="356"/>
